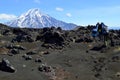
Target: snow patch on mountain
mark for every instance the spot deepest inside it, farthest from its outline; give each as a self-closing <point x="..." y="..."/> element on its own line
<point x="34" y="18"/>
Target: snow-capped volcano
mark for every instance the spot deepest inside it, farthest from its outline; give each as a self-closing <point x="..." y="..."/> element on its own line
<point x="34" y="18"/>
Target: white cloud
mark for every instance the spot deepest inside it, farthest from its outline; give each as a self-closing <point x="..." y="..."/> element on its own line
<point x="59" y="9"/>
<point x="37" y="1"/>
<point x="7" y="17"/>
<point x="69" y="15"/>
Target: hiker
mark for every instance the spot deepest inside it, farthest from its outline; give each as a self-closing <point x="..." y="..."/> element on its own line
<point x="95" y="31"/>
<point x="100" y="32"/>
<point x="103" y="33"/>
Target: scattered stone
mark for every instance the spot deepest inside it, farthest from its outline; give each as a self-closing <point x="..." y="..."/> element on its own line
<point x="38" y="60"/>
<point x="19" y="47"/>
<point x="99" y="48"/>
<point x="95" y="61"/>
<point x="46" y="52"/>
<point x="23" y="65"/>
<point x="117" y="74"/>
<point x="44" y="68"/>
<point x="27" y="57"/>
<point x="76" y="77"/>
<point x="6" y="66"/>
<point x="115" y="58"/>
<point x="9" y="46"/>
<point x="79" y="40"/>
<point x="98" y="67"/>
<point x="31" y="53"/>
<point x="15" y="47"/>
<point x="87" y="51"/>
<point x="101" y="59"/>
<point x="14" y="51"/>
<point x="10" y="54"/>
<point x="97" y="75"/>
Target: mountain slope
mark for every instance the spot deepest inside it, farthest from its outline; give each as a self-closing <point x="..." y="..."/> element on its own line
<point x="36" y="19"/>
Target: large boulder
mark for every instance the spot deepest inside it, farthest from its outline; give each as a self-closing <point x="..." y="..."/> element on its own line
<point x="6" y="66"/>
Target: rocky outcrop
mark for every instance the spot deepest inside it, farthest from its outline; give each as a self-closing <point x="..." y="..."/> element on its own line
<point x="52" y="38"/>
<point x="23" y="38"/>
<point x="56" y="38"/>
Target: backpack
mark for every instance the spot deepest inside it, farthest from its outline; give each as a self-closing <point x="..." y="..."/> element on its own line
<point x="100" y="28"/>
<point x="94" y="32"/>
<point x="104" y="29"/>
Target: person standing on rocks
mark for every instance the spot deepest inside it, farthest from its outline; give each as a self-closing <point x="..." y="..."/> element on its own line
<point x="95" y="31"/>
<point x="100" y="32"/>
<point x="103" y="33"/>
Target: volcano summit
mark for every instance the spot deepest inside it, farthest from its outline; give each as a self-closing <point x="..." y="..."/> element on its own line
<point x="34" y="18"/>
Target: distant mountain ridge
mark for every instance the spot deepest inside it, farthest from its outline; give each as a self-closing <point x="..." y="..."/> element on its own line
<point x="34" y="18"/>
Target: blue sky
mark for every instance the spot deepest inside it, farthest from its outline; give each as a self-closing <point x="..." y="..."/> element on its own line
<point x="80" y="12"/>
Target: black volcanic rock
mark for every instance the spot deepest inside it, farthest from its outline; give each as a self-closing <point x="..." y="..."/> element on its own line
<point x="14" y="51"/>
<point x="56" y="37"/>
<point x="52" y="37"/>
<point x="31" y="53"/>
<point x="27" y="57"/>
<point x="23" y="38"/>
<point x="6" y="66"/>
<point x="38" y="60"/>
<point x="10" y="46"/>
<point x="45" y="68"/>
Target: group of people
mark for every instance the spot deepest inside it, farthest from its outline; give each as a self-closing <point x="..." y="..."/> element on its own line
<point x="101" y="31"/>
